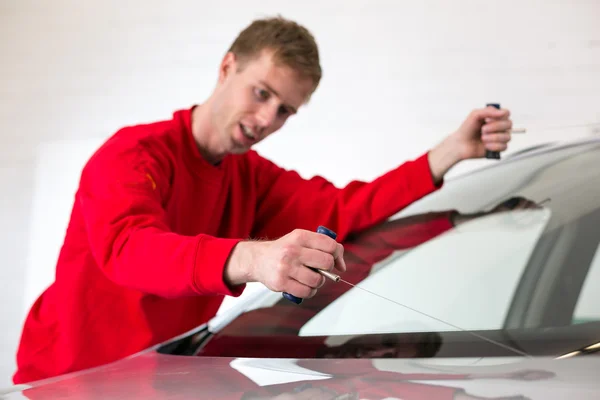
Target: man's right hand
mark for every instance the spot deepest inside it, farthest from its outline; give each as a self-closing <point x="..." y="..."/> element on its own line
<point x="282" y="264"/>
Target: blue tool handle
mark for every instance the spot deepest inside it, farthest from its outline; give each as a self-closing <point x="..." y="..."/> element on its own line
<point x="324" y="231"/>
<point x="495" y="155"/>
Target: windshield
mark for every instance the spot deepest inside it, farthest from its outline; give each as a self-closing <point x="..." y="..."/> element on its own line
<point x="518" y="276"/>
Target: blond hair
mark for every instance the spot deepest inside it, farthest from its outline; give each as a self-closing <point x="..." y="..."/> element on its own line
<point x="291" y="43"/>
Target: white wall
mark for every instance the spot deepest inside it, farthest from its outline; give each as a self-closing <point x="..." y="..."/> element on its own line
<point x="15" y="204"/>
<point x="398" y="76"/>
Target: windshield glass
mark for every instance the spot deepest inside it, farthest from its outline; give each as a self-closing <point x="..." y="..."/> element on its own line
<point x="475" y="267"/>
<point x="521" y="265"/>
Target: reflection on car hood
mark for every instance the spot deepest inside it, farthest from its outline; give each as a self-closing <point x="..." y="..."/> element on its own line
<point x="154" y="376"/>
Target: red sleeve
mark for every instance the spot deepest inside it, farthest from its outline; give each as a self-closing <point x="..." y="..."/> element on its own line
<point x="120" y="197"/>
<point x="288" y="201"/>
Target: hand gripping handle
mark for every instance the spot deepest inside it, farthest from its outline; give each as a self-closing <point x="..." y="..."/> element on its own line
<point x="324" y="231"/>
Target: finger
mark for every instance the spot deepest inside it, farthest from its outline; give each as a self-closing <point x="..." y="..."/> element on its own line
<point x="315" y="240"/>
<point x="496" y="146"/>
<point x="307" y="277"/>
<point x="497" y="126"/>
<point x="496" y="141"/>
<point x="487" y="120"/>
<point x="499" y="137"/>
<point x="340" y="262"/>
<point x="298" y="289"/>
<point x="324" y="243"/>
<point x="316" y="259"/>
<point x="492" y="112"/>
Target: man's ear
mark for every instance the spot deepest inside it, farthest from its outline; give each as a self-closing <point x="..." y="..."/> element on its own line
<point x="227" y="67"/>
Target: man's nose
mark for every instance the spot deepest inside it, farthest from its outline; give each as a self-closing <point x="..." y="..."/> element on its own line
<point x="266" y="116"/>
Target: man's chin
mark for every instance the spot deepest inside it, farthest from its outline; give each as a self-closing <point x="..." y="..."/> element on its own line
<point x="240" y="150"/>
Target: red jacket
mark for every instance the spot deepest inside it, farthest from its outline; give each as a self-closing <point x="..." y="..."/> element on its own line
<point x="151" y="228"/>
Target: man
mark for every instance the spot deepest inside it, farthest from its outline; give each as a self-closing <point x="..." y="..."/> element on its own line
<point x="167" y="216"/>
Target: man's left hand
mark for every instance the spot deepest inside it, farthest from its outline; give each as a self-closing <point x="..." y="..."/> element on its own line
<point x="484" y="129"/>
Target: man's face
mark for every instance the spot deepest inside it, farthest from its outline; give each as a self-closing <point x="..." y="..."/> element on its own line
<point x="254" y="101"/>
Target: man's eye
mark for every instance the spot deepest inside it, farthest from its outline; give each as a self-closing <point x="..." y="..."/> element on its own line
<point x="283" y="111"/>
<point x="261" y="94"/>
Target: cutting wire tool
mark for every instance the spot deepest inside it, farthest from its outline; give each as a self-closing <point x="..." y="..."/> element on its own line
<point x="326" y="274"/>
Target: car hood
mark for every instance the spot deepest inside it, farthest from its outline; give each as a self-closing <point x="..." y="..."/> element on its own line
<point x="156" y="376"/>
